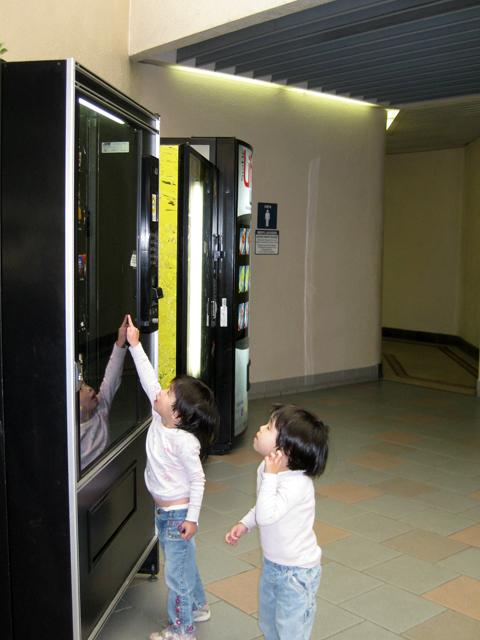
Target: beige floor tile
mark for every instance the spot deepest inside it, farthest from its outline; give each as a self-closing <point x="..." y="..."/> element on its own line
<point x="398" y="437"/>
<point x="334" y="402"/>
<point x="242" y="457"/>
<point x="417" y="418"/>
<point x="475" y="494"/>
<point x="425" y="545"/>
<point x="349" y="492"/>
<point x="469" y="536"/>
<point x="432" y="402"/>
<point x="326" y="533"/>
<point x="446" y="626"/>
<point x="461" y="595"/>
<point x="212" y="487"/>
<point x="403" y="487"/>
<point x="470" y="441"/>
<point x="377" y="461"/>
<point x="240" y="590"/>
<point x="253" y="557"/>
<point x="388" y="449"/>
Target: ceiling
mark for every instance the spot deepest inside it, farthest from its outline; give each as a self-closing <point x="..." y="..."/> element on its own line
<point x="420" y="56"/>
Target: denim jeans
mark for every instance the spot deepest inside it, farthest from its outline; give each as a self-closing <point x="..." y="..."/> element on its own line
<point x="185" y="589"/>
<point x="286" y="607"/>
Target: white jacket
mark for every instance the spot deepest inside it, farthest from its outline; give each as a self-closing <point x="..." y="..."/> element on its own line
<point x="174" y="469"/>
<point x="284" y="513"/>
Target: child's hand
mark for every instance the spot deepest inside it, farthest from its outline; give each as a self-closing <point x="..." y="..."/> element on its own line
<point x="274" y="462"/>
<point x="235" y="533"/>
<point x="189" y="529"/>
<point x="122" y="333"/>
<point x="133" y="334"/>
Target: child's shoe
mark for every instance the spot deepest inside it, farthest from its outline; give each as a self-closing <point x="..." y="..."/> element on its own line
<point x="202" y="613"/>
<point x="168" y="634"/>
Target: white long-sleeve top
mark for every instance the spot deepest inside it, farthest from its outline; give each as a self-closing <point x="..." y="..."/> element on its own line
<point x="284" y="513"/>
<point x="94" y="434"/>
<point x="174" y="469"/>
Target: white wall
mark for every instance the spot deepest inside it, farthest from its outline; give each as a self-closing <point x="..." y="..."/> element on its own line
<point x="321" y="161"/>
<point x="422" y="282"/>
<point x="470" y="307"/>
<point x="96" y="35"/>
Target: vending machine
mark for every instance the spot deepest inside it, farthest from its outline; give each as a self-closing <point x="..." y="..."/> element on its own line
<point x="214" y="277"/>
<point x="79" y="229"/>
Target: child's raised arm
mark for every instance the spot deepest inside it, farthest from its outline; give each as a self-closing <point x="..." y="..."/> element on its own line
<point x="132" y="333"/>
<point x="148" y="377"/>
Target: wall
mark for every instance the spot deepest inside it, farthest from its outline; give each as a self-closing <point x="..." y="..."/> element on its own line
<point x="422" y="288"/>
<point x="315" y="308"/>
<point x="470" y="304"/>
<point x="50" y="30"/>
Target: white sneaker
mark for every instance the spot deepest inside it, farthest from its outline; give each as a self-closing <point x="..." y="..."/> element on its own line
<point x="202" y="614"/>
<point x="168" y="634"/>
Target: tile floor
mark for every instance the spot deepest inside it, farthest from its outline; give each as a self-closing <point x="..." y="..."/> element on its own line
<point x="398" y="520"/>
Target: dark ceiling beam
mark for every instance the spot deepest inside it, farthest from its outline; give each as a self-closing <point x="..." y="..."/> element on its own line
<point x="368" y="18"/>
<point x="430" y="62"/>
<point x="372" y="60"/>
<point x="444" y="76"/>
<point x="398" y="98"/>
<point x="386" y="41"/>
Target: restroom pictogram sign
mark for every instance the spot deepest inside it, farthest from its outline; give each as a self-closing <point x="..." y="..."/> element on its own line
<point x="267" y="215"/>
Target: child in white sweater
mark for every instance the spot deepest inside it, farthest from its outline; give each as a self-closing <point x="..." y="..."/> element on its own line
<point x="185" y="420"/>
<point x="295" y="445"/>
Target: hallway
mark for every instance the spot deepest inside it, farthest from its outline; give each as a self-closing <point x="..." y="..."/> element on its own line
<point x="437" y="366"/>
<point x="398" y="520"/>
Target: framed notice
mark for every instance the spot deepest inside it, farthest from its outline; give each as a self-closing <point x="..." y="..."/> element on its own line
<point x="266" y="242"/>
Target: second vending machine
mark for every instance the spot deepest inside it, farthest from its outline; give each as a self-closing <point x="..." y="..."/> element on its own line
<point x="205" y="217"/>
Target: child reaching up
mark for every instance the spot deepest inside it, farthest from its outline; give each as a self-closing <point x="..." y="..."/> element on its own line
<point x="295" y="446"/>
<point x="185" y="420"/>
<point x="94" y="409"/>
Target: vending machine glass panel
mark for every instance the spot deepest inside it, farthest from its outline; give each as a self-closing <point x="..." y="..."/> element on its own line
<point x="108" y="158"/>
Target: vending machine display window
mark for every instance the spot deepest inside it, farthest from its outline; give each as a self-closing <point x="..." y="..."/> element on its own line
<point x="108" y="156"/>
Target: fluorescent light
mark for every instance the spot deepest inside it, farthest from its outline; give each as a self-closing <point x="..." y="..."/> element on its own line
<point x="101" y="111"/>
<point x="319" y="94"/>
<point x="391" y="115"/>
<point x="195" y="268"/>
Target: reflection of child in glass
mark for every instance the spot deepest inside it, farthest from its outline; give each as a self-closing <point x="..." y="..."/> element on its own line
<point x="185" y="421"/>
<point x="295" y="446"/>
<point x="94" y="428"/>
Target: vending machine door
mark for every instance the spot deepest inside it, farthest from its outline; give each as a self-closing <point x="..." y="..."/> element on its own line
<point x="117" y="274"/>
<point x="196" y="291"/>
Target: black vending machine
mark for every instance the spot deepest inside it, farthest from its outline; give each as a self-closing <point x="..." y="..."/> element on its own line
<point x="205" y="212"/>
<point x="79" y="228"/>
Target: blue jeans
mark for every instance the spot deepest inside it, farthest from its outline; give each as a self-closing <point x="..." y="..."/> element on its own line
<point x="185" y="589"/>
<point x="286" y="607"/>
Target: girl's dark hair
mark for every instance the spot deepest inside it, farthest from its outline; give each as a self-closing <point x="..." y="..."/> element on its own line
<point x="196" y="409"/>
<point x="302" y="437"/>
